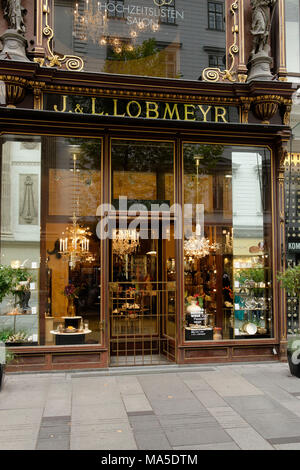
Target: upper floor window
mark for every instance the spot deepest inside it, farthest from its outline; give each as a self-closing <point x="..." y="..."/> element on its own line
<point x="115" y="9"/>
<point x="168" y="13"/>
<point x="215" y="16"/>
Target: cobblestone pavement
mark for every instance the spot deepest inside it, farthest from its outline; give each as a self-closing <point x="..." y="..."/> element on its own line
<point x="249" y="406"/>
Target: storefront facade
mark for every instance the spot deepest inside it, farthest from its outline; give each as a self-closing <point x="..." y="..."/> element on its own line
<point x="142" y="200"/>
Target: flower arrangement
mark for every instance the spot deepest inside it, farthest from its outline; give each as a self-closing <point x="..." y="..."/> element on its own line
<point x="228" y="292"/>
<point x="71" y="292"/>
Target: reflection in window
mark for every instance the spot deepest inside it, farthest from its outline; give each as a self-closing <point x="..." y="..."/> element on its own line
<point x="115" y="9"/>
<point x="216" y="61"/>
<point x="147" y="43"/>
<point x="228" y="286"/>
<point x="215" y="16"/>
<point x="168" y="14"/>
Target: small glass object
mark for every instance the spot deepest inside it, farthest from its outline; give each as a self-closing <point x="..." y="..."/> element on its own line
<point x="86" y="325"/>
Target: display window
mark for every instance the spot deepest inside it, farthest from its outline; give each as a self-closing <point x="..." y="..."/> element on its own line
<point x="50" y="262"/>
<point x="154" y="38"/>
<point x="228" y="243"/>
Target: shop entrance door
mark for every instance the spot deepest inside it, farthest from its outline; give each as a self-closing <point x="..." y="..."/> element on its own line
<point x="142" y="303"/>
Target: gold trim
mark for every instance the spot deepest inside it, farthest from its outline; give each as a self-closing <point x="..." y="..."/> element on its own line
<point x="71" y="62"/>
<point x="215" y="74"/>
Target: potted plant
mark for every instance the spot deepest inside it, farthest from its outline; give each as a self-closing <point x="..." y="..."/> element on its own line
<point x="21" y="288"/>
<point x="6" y="280"/>
<point x="290" y="280"/>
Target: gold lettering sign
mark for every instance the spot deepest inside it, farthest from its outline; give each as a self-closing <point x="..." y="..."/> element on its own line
<point x="119" y="107"/>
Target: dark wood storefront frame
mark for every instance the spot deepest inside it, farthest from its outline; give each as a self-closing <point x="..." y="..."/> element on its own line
<point x="21" y="121"/>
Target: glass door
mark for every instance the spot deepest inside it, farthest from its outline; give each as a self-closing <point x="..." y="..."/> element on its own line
<point x="142" y="253"/>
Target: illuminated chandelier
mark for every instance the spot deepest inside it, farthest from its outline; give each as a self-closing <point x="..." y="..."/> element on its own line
<point x="125" y="242"/>
<point x="92" y="23"/>
<point x="197" y="246"/>
<point x="74" y="242"/>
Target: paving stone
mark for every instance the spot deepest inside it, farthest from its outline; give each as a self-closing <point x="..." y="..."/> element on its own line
<point x="175" y="406"/>
<point x="273" y="424"/>
<point x="136" y="403"/>
<point x="209" y="399"/>
<point x="250" y="403"/>
<point x="292" y="446"/>
<point x="53" y="432"/>
<point x="228" y="418"/>
<point x="163" y="385"/>
<point x="17" y="444"/>
<point x="62" y="443"/>
<point x="144" y="423"/>
<point x="208" y="434"/>
<point x="187" y="420"/>
<point x="20" y="417"/>
<point x="215" y="446"/>
<point x="249" y="439"/>
<point x="96" y="438"/>
<point x="129" y="385"/>
<point x="227" y="383"/>
<point x="93" y="414"/>
<point x="149" y="440"/>
<point x="57" y="406"/>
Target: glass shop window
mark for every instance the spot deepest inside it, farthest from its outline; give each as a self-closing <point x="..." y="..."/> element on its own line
<point x="49" y="247"/>
<point x="227" y="268"/>
<point x="151" y="28"/>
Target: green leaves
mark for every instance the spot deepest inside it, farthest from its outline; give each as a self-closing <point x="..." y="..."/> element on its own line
<point x="290" y="280"/>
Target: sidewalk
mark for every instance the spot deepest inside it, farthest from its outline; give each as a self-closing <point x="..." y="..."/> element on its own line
<point x="251" y="406"/>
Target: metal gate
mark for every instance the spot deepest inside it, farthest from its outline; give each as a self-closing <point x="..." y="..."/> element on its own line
<point x="142" y="323"/>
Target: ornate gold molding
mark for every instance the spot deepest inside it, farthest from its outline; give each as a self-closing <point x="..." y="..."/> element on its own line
<point x="15" y="89"/>
<point x="266" y="106"/>
<point x="116" y="93"/>
<point x="71" y="62"/>
<point x="215" y="74"/>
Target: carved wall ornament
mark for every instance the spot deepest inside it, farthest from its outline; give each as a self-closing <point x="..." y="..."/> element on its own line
<point x="215" y="74"/>
<point x="15" y="89"/>
<point x="266" y="106"/>
<point x="287" y="112"/>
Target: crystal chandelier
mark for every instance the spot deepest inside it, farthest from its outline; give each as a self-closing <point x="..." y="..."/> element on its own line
<point x="197" y="246"/>
<point x="91" y="22"/>
<point x="74" y="242"/>
<point x="125" y="242"/>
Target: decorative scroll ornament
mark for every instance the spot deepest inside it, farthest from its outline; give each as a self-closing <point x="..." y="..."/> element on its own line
<point x="215" y="74"/>
<point x="71" y="62"/>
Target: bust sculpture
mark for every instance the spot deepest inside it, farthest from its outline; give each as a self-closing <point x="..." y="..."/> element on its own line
<point x="261" y="23"/>
<point x="14" y="14"/>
